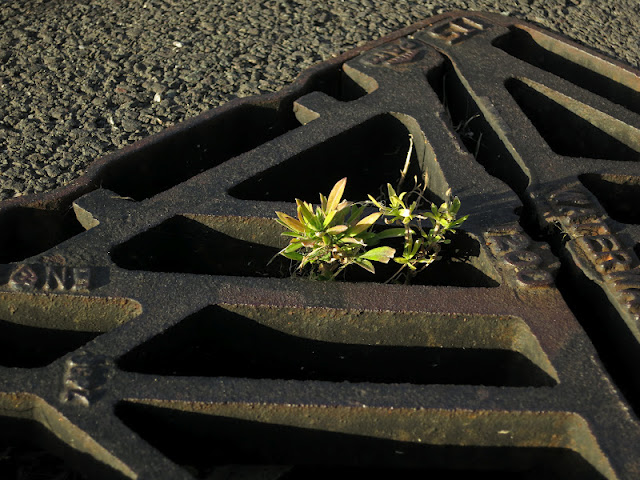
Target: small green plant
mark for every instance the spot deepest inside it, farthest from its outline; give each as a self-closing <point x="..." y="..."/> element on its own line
<point x="421" y="245"/>
<point x="334" y="235"/>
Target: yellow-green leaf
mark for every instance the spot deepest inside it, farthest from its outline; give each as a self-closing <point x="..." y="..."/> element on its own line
<point x="379" y="254"/>
<point x="305" y="213"/>
<point x="375" y="202"/>
<point x="337" y="229"/>
<point x="323" y="202"/>
<point x="336" y="194"/>
<point x="366" y="264"/>
<point x="290" y="222"/>
<point x="365" y="223"/>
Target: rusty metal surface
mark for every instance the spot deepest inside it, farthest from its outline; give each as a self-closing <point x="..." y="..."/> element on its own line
<point x="145" y="335"/>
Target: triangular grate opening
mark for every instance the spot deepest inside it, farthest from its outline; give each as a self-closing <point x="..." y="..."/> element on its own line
<point x="370" y="155"/>
<point x="31" y="347"/>
<point x="565" y="132"/>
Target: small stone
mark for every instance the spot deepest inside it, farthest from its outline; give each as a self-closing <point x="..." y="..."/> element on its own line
<point x="52" y="170"/>
<point x="158" y="88"/>
<point x="130" y="125"/>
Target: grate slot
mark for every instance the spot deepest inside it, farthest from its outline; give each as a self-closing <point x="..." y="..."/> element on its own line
<point x="36" y="330"/>
<point x="336" y="345"/>
<point x="173" y="159"/>
<point x="27" y="232"/>
<point x="586" y="71"/>
<point x="565" y="132"/>
<point x="369" y="155"/>
<point x="30" y="347"/>
<point x="37" y="440"/>
<point x="207" y="246"/>
<point x="220" y="438"/>
<point x="32" y="452"/>
<point x="472" y="128"/>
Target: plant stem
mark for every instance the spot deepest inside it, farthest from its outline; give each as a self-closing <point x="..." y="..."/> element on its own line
<point x="405" y="169"/>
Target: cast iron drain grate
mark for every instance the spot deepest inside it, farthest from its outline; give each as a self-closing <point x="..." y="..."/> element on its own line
<point x="143" y="333"/>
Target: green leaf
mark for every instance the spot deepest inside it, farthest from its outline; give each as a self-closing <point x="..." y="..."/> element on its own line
<point x="323" y="202"/>
<point x="353" y="241"/>
<point x="290" y="222"/>
<point x="375" y="202"/>
<point x="310" y="219"/>
<point x="340" y="215"/>
<point x="337" y="229"/>
<point x="366" y="264"/>
<point x="392" y="192"/>
<point x="293" y="256"/>
<point x="356" y="213"/>
<point x="292" y="247"/>
<point x="455" y="205"/>
<point x="459" y="221"/>
<point x="392" y="233"/>
<point x="379" y="254"/>
<point x="292" y="234"/>
<point x="336" y="194"/>
<point x="329" y="218"/>
<point x="416" y="246"/>
<point x="365" y="223"/>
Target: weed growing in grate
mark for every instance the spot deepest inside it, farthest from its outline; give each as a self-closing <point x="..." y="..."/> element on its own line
<point x="335" y="234"/>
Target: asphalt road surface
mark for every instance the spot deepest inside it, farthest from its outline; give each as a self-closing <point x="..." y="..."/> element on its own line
<point x="82" y="79"/>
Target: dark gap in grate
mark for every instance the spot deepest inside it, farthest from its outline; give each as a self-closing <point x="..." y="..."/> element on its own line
<point x="471" y="127"/>
<point x="619" y="195"/>
<point x="210" y="444"/>
<point x="231" y="341"/>
<point x="159" y="166"/>
<point x="337" y="84"/>
<point x="565" y="132"/>
<point x="29" y="231"/>
<point x="29" y="451"/>
<point x="185" y="245"/>
<point x="31" y="347"/>
<point x="175" y="158"/>
<point x="520" y="44"/>
<point x="370" y="155"/>
<point x="228" y="246"/>
<point x="35" y="330"/>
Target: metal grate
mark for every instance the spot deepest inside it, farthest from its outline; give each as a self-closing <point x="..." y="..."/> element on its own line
<point x="143" y="333"/>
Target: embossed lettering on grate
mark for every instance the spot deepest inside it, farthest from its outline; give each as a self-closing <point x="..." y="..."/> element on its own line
<point x="145" y="335"/>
